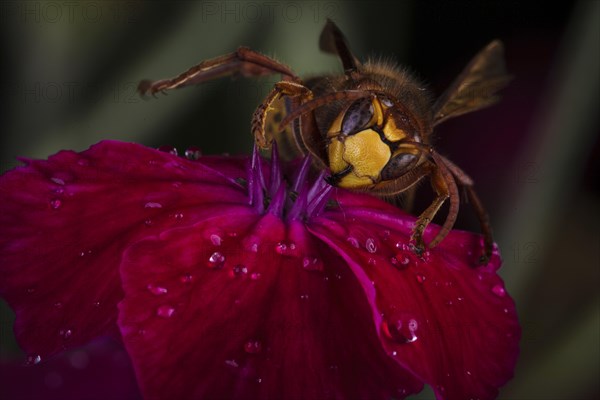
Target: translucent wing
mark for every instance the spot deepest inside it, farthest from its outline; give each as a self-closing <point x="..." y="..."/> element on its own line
<point x="476" y="86"/>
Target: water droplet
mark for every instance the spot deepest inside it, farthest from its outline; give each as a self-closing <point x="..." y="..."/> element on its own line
<point x="238" y="271"/>
<point x="168" y="149"/>
<point x="178" y="216"/>
<point x="499" y="290"/>
<point x="403" y="246"/>
<point x="304" y="297"/>
<point x="312" y="264"/>
<point x="258" y="380"/>
<point x="58" y="190"/>
<point x="148" y="222"/>
<point x="34" y="359"/>
<point x="193" y="153"/>
<point x="216" y="260"/>
<point x="468" y="372"/>
<point x="216" y="239"/>
<point x="253" y="346"/>
<point x="255" y="276"/>
<point x="82" y="162"/>
<point x="65" y="333"/>
<point x="370" y="245"/>
<point x="400" y="261"/>
<point x="58" y="304"/>
<point x="353" y="242"/>
<point x="232" y="363"/>
<point x="165" y="311"/>
<point x="281" y="248"/>
<point x="400" y="329"/>
<point x="58" y="181"/>
<point x="421" y="278"/>
<point x="254" y="248"/>
<point x="30" y="290"/>
<point x="55" y="204"/>
<point x="152" y="204"/>
<point x="186" y="278"/>
<point x="156" y="290"/>
<point x="96" y="304"/>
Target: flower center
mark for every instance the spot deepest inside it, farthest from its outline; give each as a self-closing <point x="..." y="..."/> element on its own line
<point x="295" y="199"/>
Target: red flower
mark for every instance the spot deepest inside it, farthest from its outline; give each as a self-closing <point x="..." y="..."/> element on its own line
<point x="227" y="278"/>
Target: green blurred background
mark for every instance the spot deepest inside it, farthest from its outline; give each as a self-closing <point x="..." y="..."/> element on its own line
<point x="70" y="70"/>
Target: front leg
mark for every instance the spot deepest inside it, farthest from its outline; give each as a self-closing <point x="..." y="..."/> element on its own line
<point x="484" y="220"/>
<point x="243" y="61"/>
<point x="259" y="118"/>
<point x="445" y="187"/>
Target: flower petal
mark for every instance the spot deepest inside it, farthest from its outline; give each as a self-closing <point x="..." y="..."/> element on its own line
<point x="65" y="222"/>
<point x="263" y="311"/>
<point x="99" y="371"/>
<point x="442" y="317"/>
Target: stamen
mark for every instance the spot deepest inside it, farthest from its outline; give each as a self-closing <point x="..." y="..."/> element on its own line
<point x="276" y="178"/>
<point x="292" y="202"/>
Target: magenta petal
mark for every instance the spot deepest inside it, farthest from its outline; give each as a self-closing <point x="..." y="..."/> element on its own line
<point x="258" y="310"/>
<point x="442" y="317"/>
<point x="100" y="370"/>
<point x="65" y="222"/>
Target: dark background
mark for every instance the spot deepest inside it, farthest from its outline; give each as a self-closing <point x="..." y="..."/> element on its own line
<point x="70" y="72"/>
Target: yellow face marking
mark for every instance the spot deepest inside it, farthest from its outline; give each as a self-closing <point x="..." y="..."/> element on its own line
<point x="392" y="132"/>
<point x="364" y="152"/>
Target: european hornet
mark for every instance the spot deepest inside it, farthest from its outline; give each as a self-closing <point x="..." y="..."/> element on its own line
<point x="371" y="126"/>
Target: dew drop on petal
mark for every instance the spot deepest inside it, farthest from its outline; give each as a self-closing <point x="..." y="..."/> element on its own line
<point x="400" y="329"/>
<point x="165" y="311"/>
<point x="304" y="297"/>
<point x="400" y="261"/>
<point x="232" y="363"/>
<point x="65" y="333"/>
<point x="58" y="304"/>
<point x="215" y="239"/>
<point x="421" y="278"/>
<point x="33" y="359"/>
<point x="353" y="242"/>
<point x="152" y="204"/>
<point x="216" y="260"/>
<point x="238" y="271"/>
<point x="168" y="149"/>
<point x="253" y="346"/>
<point x="312" y="263"/>
<point x="499" y="290"/>
<point x="178" y="216"/>
<point x="156" y="290"/>
<point x="255" y="276"/>
<point x="186" y="278"/>
<point x="58" y="181"/>
<point x="193" y="153"/>
<point x="55" y="204"/>
<point x="96" y="304"/>
<point x="370" y="245"/>
<point x="148" y="222"/>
